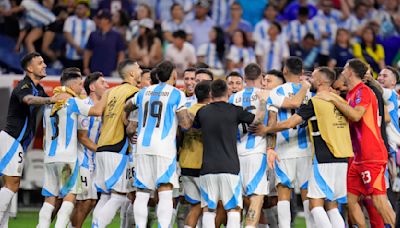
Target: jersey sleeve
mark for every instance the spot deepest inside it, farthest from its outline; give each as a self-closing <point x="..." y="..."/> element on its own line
<point x="68" y="25"/>
<point x="387" y="93"/>
<point x="181" y="103"/>
<point x="22" y="91"/>
<point x="83" y="123"/>
<point x="78" y="106"/>
<point x="244" y="116"/>
<point x="276" y="98"/>
<point x="363" y="98"/>
<point x="134" y="116"/>
<point x="306" y="111"/>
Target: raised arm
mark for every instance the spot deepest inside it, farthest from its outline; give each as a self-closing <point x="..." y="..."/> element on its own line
<point x="295" y="101"/>
<point x="98" y="108"/>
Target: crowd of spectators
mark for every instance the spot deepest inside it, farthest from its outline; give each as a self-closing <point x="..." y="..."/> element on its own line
<point x="95" y="35"/>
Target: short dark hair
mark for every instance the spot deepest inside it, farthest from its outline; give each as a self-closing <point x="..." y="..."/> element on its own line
<point x="26" y="60"/>
<point x="329" y="74"/>
<point x="84" y="3"/>
<point x="233" y="74"/>
<point x="303" y="11"/>
<point x="309" y="35"/>
<point x="219" y="88"/>
<point x="175" y="5"/>
<point x="153" y="77"/>
<point x="122" y="66"/>
<point x="277" y="25"/>
<point x="179" y="34"/>
<point x="394" y="71"/>
<point x="277" y="74"/>
<point x="294" y="65"/>
<point x="164" y="70"/>
<point x="205" y="71"/>
<point x="338" y="71"/>
<point x="190" y="69"/>
<point x="201" y="65"/>
<point x="91" y="78"/>
<point x="70" y="73"/>
<point x="252" y="71"/>
<point x="358" y="67"/>
<point x="145" y="71"/>
<point x="202" y="90"/>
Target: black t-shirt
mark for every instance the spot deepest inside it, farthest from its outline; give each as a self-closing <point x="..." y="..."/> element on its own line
<point x="322" y="152"/>
<point x="219" y="125"/>
<point x="21" y="118"/>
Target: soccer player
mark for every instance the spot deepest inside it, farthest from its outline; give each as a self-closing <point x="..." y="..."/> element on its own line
<point x="145" y="79"/>
<point x="332" y="145"/>
<point x="189" y="83"/>
<point x="161" y="109"/>
<point x="251" y="148"/>
<point x="26" y="98"/>
<point x="219" y="174"/>
<point x="61" y="165"/>
<point x="113" y="146"/>
<point x="291" y="145"/>
<point x="191" y="156"/>
<point x="366" y="172"/>
<point x="88" y="134"/>
<point x="203" y="74"/>
<point x="235" y="82"/>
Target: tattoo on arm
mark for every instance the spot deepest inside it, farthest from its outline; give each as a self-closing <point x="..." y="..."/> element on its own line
<point x="271" y="137"/>
<point x="35" y="100"/>
<point x="260" y="115"/>
<point x="185" y="120"/>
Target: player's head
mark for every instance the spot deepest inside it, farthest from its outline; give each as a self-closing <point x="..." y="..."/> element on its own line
<point x="272" y="79"/>
<point x="130" y="71"/>
<point x="253" y="74"/>
<point x="388" y="77"/>
<point x="201" y="65"/>
<point x="293" y="66"/>
<point x="189" y="80"/>
<point x="95" y="84"/>
<point x="354" y="70"/>
<point x="145" y="79"/>
<point x="153" y="77"/>
<point x="203" y="74"/>
<point x="179" y="38"/>
<point x="303" y="13"/>
<point x="219" y="90"/>
<point x="72" y="78"/>
<point x="202" y="92"/>
<point x="322" y="76"/>
<point x="166" y="72"/>
<point x="235" y="82"/>
<point x="33" y="65"/>
<point x="340" y="85"/>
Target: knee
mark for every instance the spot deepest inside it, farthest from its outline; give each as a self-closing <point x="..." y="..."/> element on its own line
<point x="12" y="184"/>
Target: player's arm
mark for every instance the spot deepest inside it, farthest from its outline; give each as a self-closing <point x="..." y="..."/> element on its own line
<point x="292" y="122"/>
<point x="260" y="115"/>
<point x="36" y="100"/>
<point x="98" y="108"/>
<point x="84" y="140"/>
<point x="295" y="101"/>
<point x="387" y="115"/>
<point x="185" y="120"/>
<point x="271" y="140"/>
<point x="352" y="114"/>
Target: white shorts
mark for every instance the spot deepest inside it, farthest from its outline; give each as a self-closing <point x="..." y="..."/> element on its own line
<point x="328" y="180"/>
<point x="61" y="179"/>
<point x="152" y="171"/>
<point x="291" y="170"/>
<point x="89" y="190"/>
<point x="178" y="192"/>
<point x="191" y="189"/>
<point x="11" y="156"/>
<point x="111" y="172"/>
<point x="224" y="187"/>
<point x="253" y="170"/>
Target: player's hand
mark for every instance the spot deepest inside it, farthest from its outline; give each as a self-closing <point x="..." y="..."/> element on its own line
<point x="326" y="96"/>
<point x="133" y="139"/>
<point x="86" y="71"/>
<point x="259" y="129"/>
<point x="271" y="157"/>
<point x="59" y="97"/>
<point x="263" y="94"/>
<point x="305" y="83"/>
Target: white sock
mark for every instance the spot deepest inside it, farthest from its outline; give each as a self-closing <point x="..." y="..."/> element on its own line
<point x="175" y="213"/>
<point x="64" y="214"/>
<point x="284" y="217"/>
<point x="45" y="215"/>
<point x="209" y="219"/>
<point x="5" y="199"/>
<point x="272" y="216"/>
<point x="107" y="213"/>
<point x="320" y="217"/>
<point x="233" y="220"/>
<point x="130" y="220"/>
<point x="165" y="208"/>
<point x="186" y="226"/>
<point x="335" y="218"/>
<point x="248" y="226"/>
<point x="307" y="214"/>
<point x="102" y="201"/>
<point x="140" y="211"/>
<point x="262" y="226"/>
<point x="122" y="213"/>
<point x="4" y="221"/>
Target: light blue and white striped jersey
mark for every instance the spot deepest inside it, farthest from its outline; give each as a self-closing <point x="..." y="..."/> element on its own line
<point x="248" y="143"/>
<point x="295" y="31"/>
<point x="220" y="11"/>
<point x="60" y="131"/>
<point x="35" y="14"/>
<point x="80" y="30"/>
<point x="158" y="122"/>
<point x="92" y="124"/>
<point x="327" y="24"/>
<point x="261" y="30"/>
<point x="390" y="98"/>
<point x="237" y="54"/>
<point x="191" y="101"/>
<point x="272" y="53"/>
<point x="353" y="23"/>
<point x="172" y="26"/>
<point x="209" y="52"/>
<point x="291" y="143"/>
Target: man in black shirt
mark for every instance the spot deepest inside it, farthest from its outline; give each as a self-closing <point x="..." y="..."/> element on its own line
<point x="328" y="176"/>
<point x="219" y="174"/>
<point x="25" y="100"/>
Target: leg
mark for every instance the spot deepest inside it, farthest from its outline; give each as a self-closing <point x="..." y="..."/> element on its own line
<point x="209" y="218"/>
<point x="48" y="38"/>
<point x="11" y="186"/>
<point x="107" y="213"/>
<point x="221" y="215"/>
<point x="64" y="214"/>
<point x="306" y="206"/>
<point x="140" y="210"/>
<point x="321" y="218"/>
<point x="381" y="203"/>
<point x="272" y="212"/>
<point x="334" y="214"/>
<point x="165" y="205"/>
<point x="46" y="212"/>
<point x="253" y="213"/>
<point x="100" y="204"/>
<point x="375" y="219"/>
<point x="283" y="206"/>
<point x="81" y="211"/>
<point x="233" y="218"/>
<point x="193" y="216"/>
<point x="355" y="212"/>
<point x="32" y="37"/>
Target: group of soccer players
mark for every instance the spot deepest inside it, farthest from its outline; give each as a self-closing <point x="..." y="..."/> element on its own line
<point x="240" y="147"/>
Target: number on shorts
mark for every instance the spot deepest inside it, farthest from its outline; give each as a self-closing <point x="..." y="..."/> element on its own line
<point x="84" y="180"/>
<point x="366" y="177"/>
<point x="244" y="126"/>
<point x="155" y="111"/>
<point x="21" y="157"/>
<point x="130" y="172"/>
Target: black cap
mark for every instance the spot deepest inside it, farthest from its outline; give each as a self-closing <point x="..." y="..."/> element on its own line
<point x="104" y="14"/>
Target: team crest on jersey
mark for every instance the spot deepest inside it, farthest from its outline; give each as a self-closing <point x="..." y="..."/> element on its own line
<point x="85" y="123"/>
